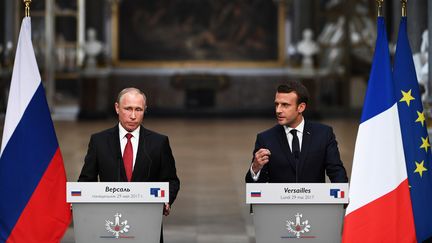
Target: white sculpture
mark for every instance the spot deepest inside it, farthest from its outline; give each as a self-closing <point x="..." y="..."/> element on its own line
<point x="61" y="53"/>
<point x="307" y="48"/>
<point x="92" y="48"/>
<point x="421" y="64"/>
<point x="424" y="48"/>
<point x="8" y="53"/>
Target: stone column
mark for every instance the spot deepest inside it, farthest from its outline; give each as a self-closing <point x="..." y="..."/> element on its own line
<point x="303" y="12"/>
<point x="429" y="24"/>
<point x="417" y="22"/>
<point x="10" y="27"/>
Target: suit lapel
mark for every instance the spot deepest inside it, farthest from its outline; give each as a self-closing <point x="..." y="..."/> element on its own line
<point x="141" y="171"/>
<point x="115" y="148"/>
<point x="283" y="141"/>
<point x="306" y="141"/>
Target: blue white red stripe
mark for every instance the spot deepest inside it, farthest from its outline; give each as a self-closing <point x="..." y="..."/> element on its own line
<point x="380" y="205"/>
<point x="157" y="192"/>
<point x="31" y="166"/>
<point x="337" y="193"/>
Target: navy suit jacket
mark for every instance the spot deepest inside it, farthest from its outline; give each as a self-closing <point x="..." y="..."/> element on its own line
<point x="154" y="160"/>
<point x="319" y="155"/>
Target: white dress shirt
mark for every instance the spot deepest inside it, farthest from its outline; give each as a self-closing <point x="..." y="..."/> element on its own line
<point x="134" y="141"/>
<point x="300" y="129"/>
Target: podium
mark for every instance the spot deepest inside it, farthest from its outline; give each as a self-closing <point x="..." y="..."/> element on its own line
<point x="297" y="212"/>
<point x="107" y="211"/>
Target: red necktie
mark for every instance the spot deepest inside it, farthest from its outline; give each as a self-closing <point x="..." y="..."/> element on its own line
<point x="128" y="157"/>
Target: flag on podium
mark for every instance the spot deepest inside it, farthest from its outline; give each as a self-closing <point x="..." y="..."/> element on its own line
<point x="33" y="204"/>
<point x="416" y="142"/>
<point x="380" y="204"/>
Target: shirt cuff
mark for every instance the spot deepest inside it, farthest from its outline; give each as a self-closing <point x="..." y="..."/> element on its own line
<point x="255" y="177"/>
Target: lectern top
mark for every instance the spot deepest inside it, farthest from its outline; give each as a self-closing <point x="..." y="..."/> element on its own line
<point x="117" y="192"/>
<point x="297" y="193"/>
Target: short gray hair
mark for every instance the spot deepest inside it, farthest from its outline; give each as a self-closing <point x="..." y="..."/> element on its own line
<point x="130" y="89"/>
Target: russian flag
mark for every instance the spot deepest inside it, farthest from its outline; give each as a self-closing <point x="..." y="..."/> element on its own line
<point x="76" y="193"/>
<point x="255" y="194"/>
<point x="380" y="203"/>
<point x="33" y="206"/>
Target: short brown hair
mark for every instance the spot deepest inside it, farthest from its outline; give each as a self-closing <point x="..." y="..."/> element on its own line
<point x="298" y="88"/>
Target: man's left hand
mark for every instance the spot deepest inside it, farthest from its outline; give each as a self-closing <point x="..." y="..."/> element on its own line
<point x="166" y="209"/>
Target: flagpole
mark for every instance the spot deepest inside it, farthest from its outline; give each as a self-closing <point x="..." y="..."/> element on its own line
<point x="379" y="6"/>
<point x="27" y="7"/>
<point x="404" y="8"/>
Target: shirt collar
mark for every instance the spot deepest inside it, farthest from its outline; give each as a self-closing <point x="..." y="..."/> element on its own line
<point x="299" y="128"/>
<point x="135" y="133"/>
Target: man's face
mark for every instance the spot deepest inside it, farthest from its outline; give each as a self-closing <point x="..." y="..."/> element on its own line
<point x="130" y="110"/>
<point x="288" y="113"/>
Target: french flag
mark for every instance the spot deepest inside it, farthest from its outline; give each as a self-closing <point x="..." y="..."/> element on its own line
<point x="33" y="206"/>
<point x="157" y="192"/>
<point x="380" y="203"/>
<point x="337" y="193"/>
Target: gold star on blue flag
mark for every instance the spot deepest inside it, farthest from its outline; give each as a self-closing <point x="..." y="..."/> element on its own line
<point x="421" y="117"/>
<point x="412" y="122"/>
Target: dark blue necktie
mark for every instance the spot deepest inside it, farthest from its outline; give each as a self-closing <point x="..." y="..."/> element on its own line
<point x="295" y="147"/>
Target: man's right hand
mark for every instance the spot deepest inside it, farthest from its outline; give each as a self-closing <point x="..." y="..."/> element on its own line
<point x="261" y="158"/>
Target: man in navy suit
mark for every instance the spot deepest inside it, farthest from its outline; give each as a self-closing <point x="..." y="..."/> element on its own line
<point x="295" y="150"/>
<point x="148" y="159"/>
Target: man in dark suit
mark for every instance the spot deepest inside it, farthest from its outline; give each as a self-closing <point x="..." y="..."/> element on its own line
<point x="295" y="150"/>
<point x="130" y="152"/>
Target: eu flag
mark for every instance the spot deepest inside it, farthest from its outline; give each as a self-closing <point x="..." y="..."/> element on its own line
<point x="416" y="142"/>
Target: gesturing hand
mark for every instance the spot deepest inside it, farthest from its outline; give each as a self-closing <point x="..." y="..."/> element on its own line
<point x="261" y="158"/>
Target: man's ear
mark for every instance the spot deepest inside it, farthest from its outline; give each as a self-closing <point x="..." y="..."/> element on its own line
<point x="117" y="108"/>
<point x="301" y="107"/>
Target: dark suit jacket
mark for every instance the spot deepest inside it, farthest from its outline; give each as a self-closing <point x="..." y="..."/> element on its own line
<point x="319" y="155"/>
<point x="154" y="160"/>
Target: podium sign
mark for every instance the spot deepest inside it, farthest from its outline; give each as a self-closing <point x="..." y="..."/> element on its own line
<point x="107" y="211"/>
<point x="297" y="212"/>
<point x="121" y="192"/>
<point x="296" y="193"/>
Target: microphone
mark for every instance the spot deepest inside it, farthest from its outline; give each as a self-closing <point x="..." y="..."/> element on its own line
<point x="119" y="161"/>
<point x="296" y="154"/>
<point x="148" y="157"/>
<point x="295" y="150"/>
